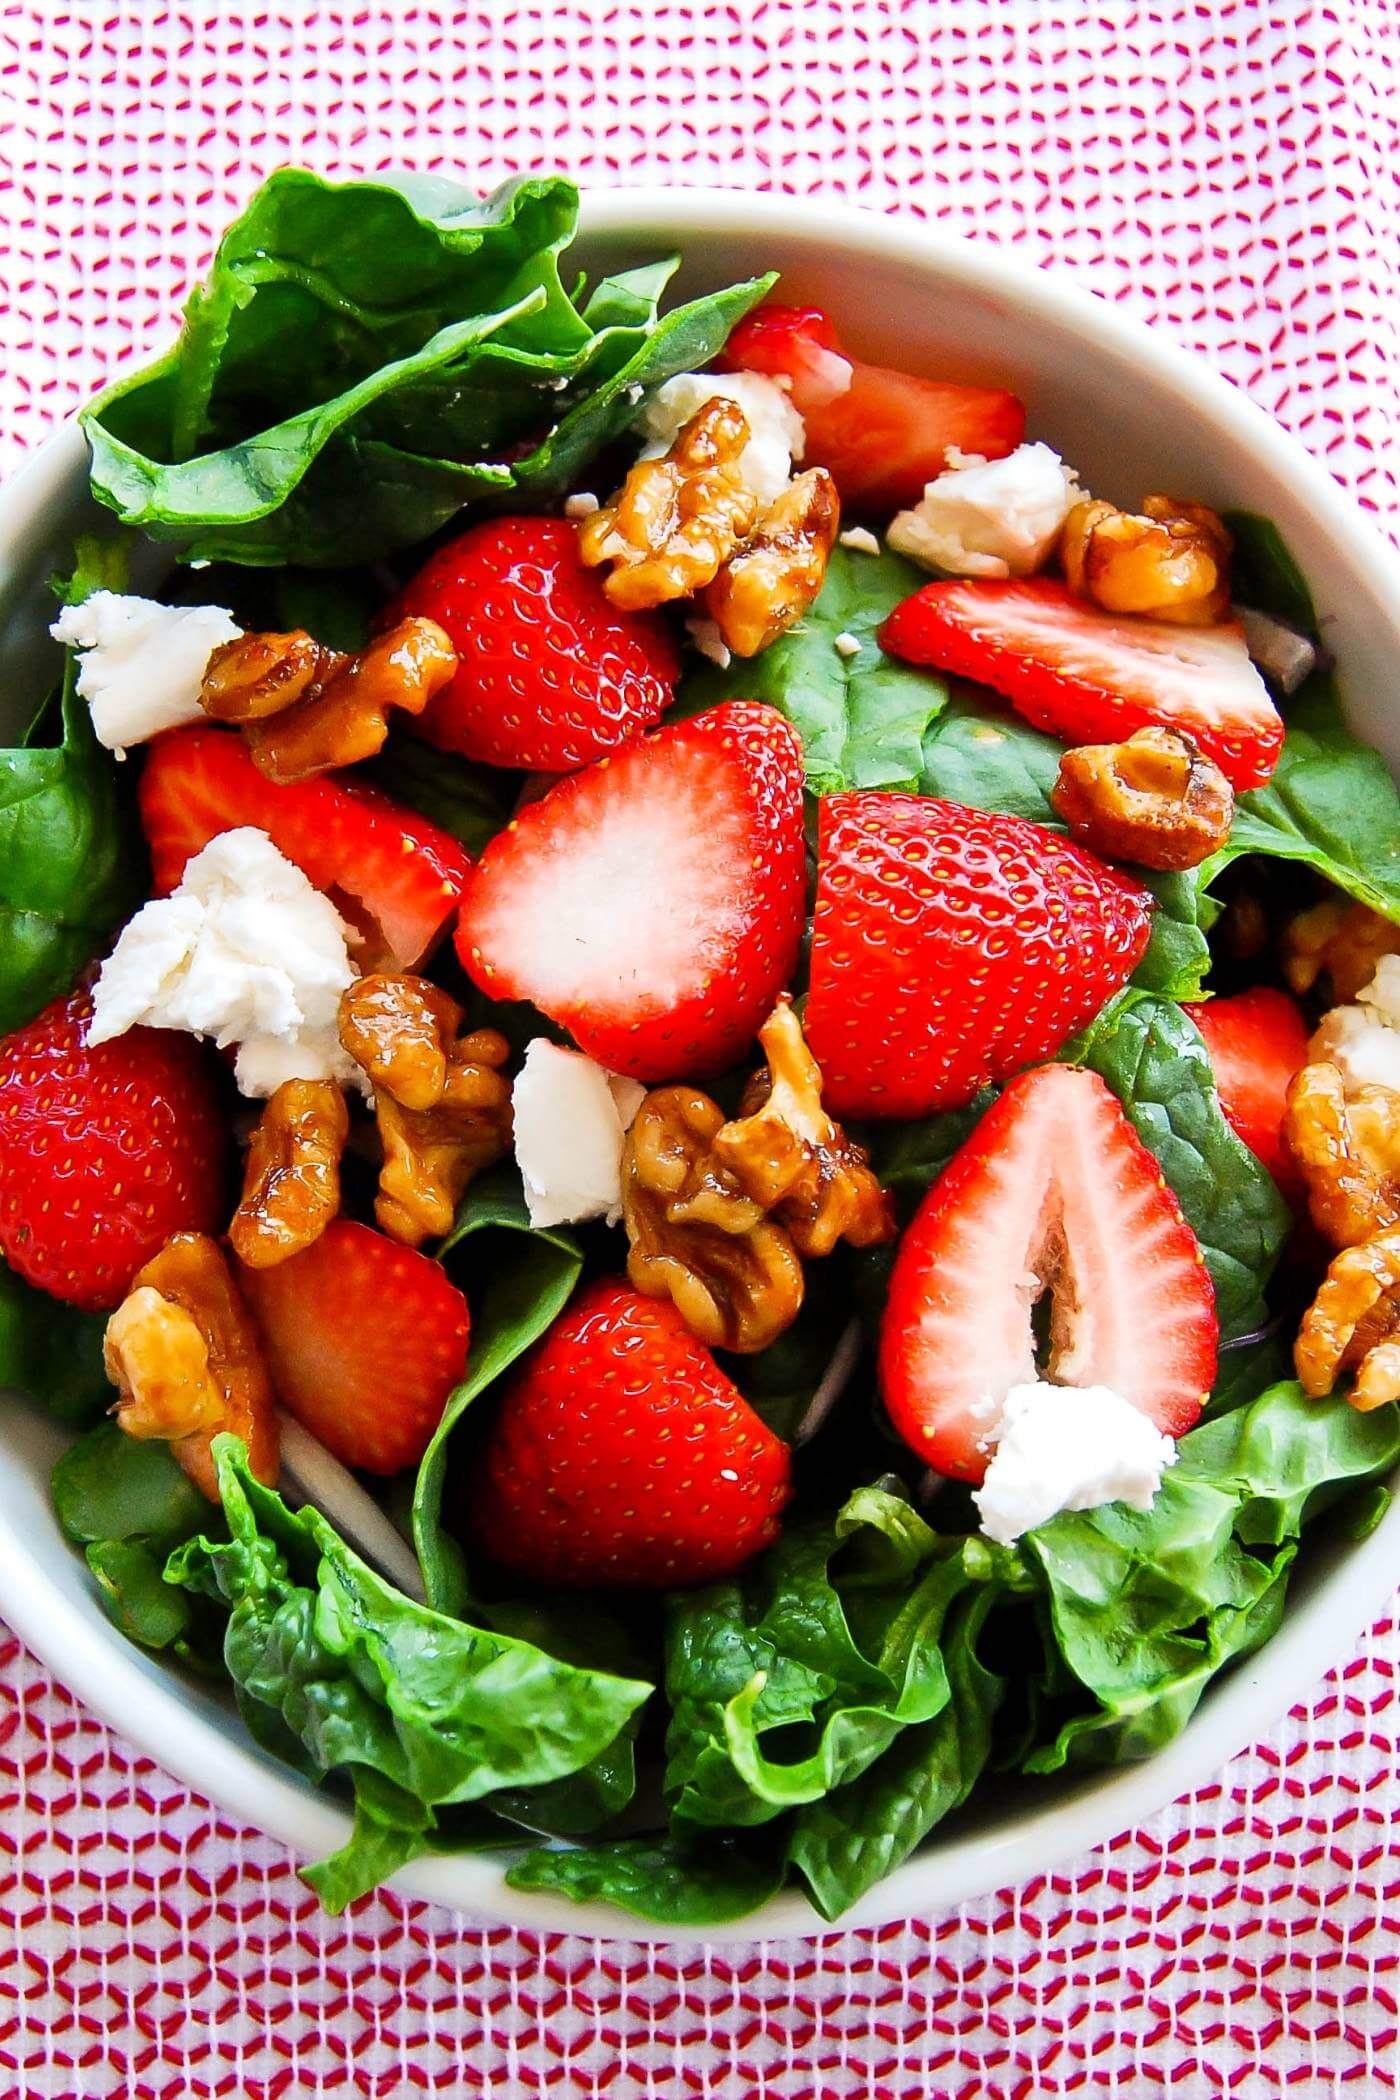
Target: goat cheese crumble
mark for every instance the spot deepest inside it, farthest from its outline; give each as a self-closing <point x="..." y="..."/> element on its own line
<point x="1363" y="1041"/>
<point x="141" y="664"/>
<point x="706" y="637"/>
<point x="776" y="431"/>
<point x="570" y="1120"/>
<point x="982" y="517"/>
<point x="245" y="951"/>
<point x="1062" y="1447"/>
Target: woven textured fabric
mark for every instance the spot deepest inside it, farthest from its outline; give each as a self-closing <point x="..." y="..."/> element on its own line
<point x="1227" y="171"/>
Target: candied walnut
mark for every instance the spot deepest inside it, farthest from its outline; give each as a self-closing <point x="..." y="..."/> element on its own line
<point x="291" y="1183"/>
<point x="305" y="709"/>
<point x="1350" y="1323"/>
<point x="1171" y="560"/>
<point x="733" y="1277"/>
<point x="1347" y="1151"/>
<point x="676" y="519"/>
<point x="184" y="1353"/>
<point x="442" y="1102"/>
<point x="1339" y="941"/>
<point x="786" y="1152"/>
<point x="779" y="570"/>
<point x="1154" y="799"/>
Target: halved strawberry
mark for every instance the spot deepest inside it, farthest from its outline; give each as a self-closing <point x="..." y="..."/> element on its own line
<point x="1257" y="1041"/>
<point x="623" y="1455"/>
<point x="652" y="904"/>
<point x="1053" y="1191"/>
<point x="365" y="1340"/>
<point x="883" y="434"/>
<point x="952" y="946"/>
<point x="1093" y="677"/>
<point x="391" y="872"/>
<point x="549" y="674"/>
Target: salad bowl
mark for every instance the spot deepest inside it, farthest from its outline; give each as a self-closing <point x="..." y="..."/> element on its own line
<point x="1132" y="412"/>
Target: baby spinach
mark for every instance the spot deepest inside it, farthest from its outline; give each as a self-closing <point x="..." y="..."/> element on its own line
<point x="128" y="1505"/>
<point x="670" y="1880"/>
<point x="52" y="1352"/>
<point x="1265" y="574"/>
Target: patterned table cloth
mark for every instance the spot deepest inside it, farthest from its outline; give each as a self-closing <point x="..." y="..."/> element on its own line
<point x="1229" y="171"/>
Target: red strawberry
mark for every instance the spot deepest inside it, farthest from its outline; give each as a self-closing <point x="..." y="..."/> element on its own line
<point x="390" y="870"/>
<point x="1093" y="677"/>
<point x="952" y="946"/>
<point x="883" y="434"/>
<point x="1257" y="1040"/>
<point x="365" y="1340"/>
<point x="104" y="1151"/>
<point x="653" y="903"/>
<point x="1053" y="1185"/>
<point x="549" y="674"/>
<point x="623" y="1455"/>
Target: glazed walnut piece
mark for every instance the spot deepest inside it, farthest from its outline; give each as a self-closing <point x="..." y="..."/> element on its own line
<point x="695" y="1238"/>
<point x="1171" y="560"/>
<point x="676" y="519"/>
<point x="1347" y="1151"/>
<point x="291" y="1183"/>
<point x="442" y="1101"/>
<point x="185" y="1356"/>
<point x="1339" y="941"/>
<point x="791" y="1158"/>
<point x="305" y="709"/>
<point x="1154" y="799"/>
<point x="1351" y="1325"/>
<point x="770" y="581"/>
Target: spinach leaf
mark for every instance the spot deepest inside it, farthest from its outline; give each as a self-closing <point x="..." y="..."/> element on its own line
<point x="677" y="1880"/>
<point x="1153" y="1057"/>
<point x="861" y="718"/>
<point x="52" y="1352"/>
<point x="471" y="802"/>
<point x="1265" y="573"/>
<point x="528" y="1277"/>
<point x="128" y="1505"/>
<point x="69" y="861"/>
<point x="368" y="1681"/>
<point x="1144" y="1607"/>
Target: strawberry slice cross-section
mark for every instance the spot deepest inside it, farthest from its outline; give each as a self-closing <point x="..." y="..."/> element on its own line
<point x="1053" y="1191"/>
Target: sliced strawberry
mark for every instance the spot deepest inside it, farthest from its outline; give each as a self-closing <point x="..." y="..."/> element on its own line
<point x="365" y="1340"/>
<point x="392" y="872"/>
<point x="1053" y="1191"/>
<point x="652" y="904"/>
<point x="952" y="946"/>
<point x="1093" y="677"/>
<point x="883" y="434"/>
<point x="623" y="1455"/>
<point x="1257" y="1041"/>
<point x="549" y="674"/>
<point x="105" y="1151"/>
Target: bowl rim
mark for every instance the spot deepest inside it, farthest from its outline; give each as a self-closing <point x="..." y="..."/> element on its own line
<point x="94" y="1661"/>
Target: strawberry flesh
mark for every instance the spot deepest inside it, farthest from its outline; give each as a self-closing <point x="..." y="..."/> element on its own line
<point x="1094" y="677"/>
<point x="952" y="946"/>
<point x="1055" y="1190"/>
<point x="652" y="904"/>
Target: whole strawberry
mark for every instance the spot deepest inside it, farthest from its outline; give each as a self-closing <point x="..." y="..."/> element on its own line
<point x="622" y="1455"/>
<point x="104" y="1152"/>
<point x="952" y="946"/>
<point x="549" y="674"/>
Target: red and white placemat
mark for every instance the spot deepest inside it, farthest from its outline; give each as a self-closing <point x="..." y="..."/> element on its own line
<point x="1232" y="172"/>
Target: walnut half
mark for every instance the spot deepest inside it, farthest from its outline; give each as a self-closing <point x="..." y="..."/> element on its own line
<point x="1339" y="941"/>
<point x="291" y="1183"/>
<point x="1352" y="1323"/>
<point x="1170" y="561"/>
<point x="770" y="580"/>
<point x="677" y="518"/>
<point x="1154" y="799"/>
<point x="1347" y="1151"/>
<point x="184" y="1353"/>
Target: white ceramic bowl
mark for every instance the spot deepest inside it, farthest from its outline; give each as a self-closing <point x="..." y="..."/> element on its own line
<point x="1133" y="413"/>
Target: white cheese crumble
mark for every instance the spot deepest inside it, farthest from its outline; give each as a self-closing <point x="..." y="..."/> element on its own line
<point x="246" y="951"/>
<point x="141" y="664"/>
<point x="706" y="637"/>
<point x="581" y="505"/>
<point x="1363" y="1041"/>
<point x="776" y="431"/>
<point x="1064" y="1447"/>
<point x="997" y="517"/>
<point x="570" y="1120"/>
<point x="860" y="539"/>
<point x="846" y="644"/>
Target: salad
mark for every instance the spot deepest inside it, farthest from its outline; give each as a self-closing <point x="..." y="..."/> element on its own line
<point x="700" y="1085"/>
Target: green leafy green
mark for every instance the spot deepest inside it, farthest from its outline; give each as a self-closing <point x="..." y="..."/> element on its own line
<point x="670" y="1880"/>
<point x="471" y="802"/>
<point x="528" y="1277"/>
<point x="365" y="358"/>
<point x="978" y="752"/>
<point x="52" y="1352"/>
<point x="1265" y="573"/>
<point x="861" y="718"/>
<point x="128" y="1505"/>
<point x="368" y="1681"/>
